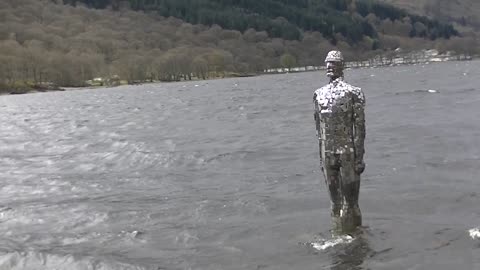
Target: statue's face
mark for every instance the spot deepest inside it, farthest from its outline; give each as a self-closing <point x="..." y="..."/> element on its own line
<point x="334" y="69"/>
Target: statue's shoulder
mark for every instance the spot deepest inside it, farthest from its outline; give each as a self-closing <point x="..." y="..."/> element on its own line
<point x="351" y="88"/>
<point x="322" y="93"/>
<point x="345" y="85"/>
<point x="357" y="92"/>
<point x="323" y="89"/>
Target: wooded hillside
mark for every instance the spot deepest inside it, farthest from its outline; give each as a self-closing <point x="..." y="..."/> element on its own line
<point x="46" y="42"/>
<point x="464" y="12"/>
<point x="286" y="18"/>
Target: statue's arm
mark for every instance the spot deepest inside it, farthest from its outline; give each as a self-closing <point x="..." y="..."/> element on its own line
<point x="316" y="116"/>
<point x="359" y="124"/>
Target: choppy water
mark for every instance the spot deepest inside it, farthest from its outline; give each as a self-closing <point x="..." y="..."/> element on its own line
<point x="224" y="175"/>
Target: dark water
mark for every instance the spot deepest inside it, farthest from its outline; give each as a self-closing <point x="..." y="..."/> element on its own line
<point x="224" y="175"/>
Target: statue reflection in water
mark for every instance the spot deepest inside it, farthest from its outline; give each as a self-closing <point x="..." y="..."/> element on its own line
<point x="350" y="256"/>
<point x="340" y="123"/>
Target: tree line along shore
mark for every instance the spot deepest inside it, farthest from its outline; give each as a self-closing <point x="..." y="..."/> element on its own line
<point x="46" y="45"/>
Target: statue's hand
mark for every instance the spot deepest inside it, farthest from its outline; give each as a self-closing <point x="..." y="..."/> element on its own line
<point x="360" y="167"/>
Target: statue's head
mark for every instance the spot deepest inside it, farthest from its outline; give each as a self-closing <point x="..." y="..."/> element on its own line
<point x="334" y="62"/>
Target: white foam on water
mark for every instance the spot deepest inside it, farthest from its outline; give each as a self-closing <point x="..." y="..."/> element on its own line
<point x="474" y="233"/>
<point x="325" y="244"/>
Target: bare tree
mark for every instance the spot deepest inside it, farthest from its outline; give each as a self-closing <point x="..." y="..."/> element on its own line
<point x="288" y="61"/>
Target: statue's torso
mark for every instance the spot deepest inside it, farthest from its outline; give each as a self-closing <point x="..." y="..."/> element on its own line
<point x="335" y="103"/>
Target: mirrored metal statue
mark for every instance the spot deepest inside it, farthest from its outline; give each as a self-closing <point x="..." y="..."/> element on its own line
<point x="340" y="123"/>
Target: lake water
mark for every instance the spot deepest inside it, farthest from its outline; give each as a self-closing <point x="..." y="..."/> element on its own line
<point x="224" y="174"/>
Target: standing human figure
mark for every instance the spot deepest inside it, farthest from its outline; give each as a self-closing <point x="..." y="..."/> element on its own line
<point x="340" y="123"/>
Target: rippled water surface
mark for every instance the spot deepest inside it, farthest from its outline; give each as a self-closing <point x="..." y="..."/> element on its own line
<point x="224" y="174"/>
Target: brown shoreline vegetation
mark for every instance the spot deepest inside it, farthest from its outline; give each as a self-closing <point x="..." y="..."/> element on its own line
<point x="371" y="63"/>
<point x="46" y="46"/>
<point x="25" y="88"/>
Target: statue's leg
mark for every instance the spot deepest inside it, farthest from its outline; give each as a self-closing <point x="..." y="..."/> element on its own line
<point x="350" y="215"/>
<point x="331" y="171"/>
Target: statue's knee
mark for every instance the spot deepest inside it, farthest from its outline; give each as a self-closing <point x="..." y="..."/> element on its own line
<point x="331" y="169"/>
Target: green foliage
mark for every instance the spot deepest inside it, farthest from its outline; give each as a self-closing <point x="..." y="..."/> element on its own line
<point x="434" y="29"/>
<point x="288" y="61"/>
<point x="284" y="18"/>
<point x="90" y="3"/>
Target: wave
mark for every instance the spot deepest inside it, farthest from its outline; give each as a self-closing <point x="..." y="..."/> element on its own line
<point x="474" y="233"/>
<point x="326" y="244"/>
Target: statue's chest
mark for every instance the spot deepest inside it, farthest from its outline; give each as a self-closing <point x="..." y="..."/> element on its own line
<point x="334" y="101"/>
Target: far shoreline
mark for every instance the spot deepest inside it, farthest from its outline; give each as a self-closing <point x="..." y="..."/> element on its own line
<point x="349" y="65"/>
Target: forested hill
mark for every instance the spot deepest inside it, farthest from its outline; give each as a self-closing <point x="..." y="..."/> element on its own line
<point x="464" y="12"/>
<point x="287" y="19"/>
<point x="69" y="43"/>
